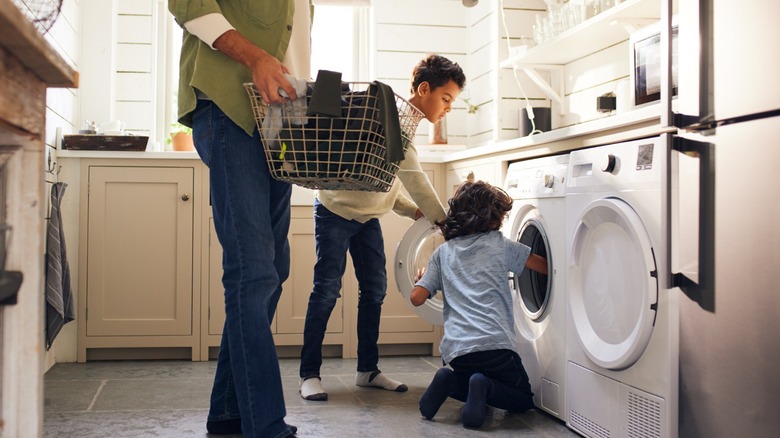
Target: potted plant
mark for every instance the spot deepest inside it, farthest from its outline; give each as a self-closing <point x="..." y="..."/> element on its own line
<point x="181" y="138"/>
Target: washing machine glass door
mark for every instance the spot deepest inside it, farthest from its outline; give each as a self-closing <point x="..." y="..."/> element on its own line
<point x="412" y="253"/>
<point x="532" y="288"/>
<point x="612" y="283"/>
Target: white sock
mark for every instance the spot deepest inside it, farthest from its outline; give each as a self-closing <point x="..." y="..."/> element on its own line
<point x="379" y="380"/>
<point x="311" y="389"/>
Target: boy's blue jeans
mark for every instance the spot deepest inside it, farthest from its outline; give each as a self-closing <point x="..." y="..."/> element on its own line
<point x="511" y="389"/>
<point x="251" y="217"/>
<point x="334" y="235"/>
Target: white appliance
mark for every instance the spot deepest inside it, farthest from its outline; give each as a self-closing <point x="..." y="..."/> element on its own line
<point x="537" y="220"/>
<point x="622" y="328"/>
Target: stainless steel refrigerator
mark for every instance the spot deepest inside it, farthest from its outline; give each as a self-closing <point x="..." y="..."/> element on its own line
<point x="729" y="120"/>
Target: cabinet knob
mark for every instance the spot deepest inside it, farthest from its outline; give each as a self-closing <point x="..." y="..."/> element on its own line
<point x="185" y="197"/>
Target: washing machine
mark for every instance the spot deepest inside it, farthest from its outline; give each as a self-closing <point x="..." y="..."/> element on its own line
<point x="622" y="327"/>
<point x="537" y="219"/>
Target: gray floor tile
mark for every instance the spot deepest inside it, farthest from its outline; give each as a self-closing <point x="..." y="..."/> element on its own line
<point x="69" y="395"/>
<point x="126" y="424"/>
<point x="131" y="370"/>
<point x="170" y="399"/>
<point x="154" y="394"/>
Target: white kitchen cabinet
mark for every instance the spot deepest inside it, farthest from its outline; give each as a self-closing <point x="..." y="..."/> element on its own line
<point x="136" y="273"/>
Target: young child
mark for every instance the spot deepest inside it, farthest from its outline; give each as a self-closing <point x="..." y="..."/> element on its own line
<point x="349" y="221"/>
<point x="471" y="269"/>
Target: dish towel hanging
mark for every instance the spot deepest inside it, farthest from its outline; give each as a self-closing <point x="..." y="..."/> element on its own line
<point x="59" y="296"/>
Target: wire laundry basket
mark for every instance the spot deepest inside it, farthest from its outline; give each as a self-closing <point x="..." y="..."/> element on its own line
<point x="332" y="153"/>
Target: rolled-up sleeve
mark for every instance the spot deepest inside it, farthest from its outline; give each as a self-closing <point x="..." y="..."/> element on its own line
<point x="188" y="10"/>
<point x="208" y="27"/>
<point x="416" y="182"/>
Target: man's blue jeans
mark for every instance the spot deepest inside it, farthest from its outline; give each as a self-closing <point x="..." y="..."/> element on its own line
<point x="251" y="217"/>
<point x="334" y="235"/>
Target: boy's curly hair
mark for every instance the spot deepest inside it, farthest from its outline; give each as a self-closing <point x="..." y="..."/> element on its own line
<point x="437" y="71"/>
<point x="476" y="207"/>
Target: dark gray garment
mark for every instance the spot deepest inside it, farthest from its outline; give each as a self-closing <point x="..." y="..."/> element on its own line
<point x="326" y="95"/>
<point x="59" y="296"/>
<point x="388" y="116"/>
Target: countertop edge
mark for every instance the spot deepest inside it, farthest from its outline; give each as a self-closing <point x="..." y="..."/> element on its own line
<point x="444" y="154"/>
<point x="625" y="120"/>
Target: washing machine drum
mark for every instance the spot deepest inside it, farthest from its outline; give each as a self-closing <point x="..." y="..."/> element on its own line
<point x="531" y="287"/>
<point x="413" y="252"/>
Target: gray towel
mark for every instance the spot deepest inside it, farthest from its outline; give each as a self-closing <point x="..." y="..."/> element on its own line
<point x="388" y="116"/>
<point x="326" y="95"/>
<point x="59" y="296"/>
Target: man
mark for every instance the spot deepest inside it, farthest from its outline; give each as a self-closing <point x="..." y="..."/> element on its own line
<point x="226" y="44"/>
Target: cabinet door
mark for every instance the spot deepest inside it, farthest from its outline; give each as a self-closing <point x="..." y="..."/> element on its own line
<point x="291" y="311"/>
<point x="139" y="263"/>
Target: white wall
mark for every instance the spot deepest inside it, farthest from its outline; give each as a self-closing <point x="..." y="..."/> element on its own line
<point x="120" y="69"/>
<point x="61" y="113"/>
<point x="584" y="79"/>
<point x="408" y="30"/>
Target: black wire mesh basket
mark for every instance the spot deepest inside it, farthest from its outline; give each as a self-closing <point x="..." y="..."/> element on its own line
<point x="332" y="153"/>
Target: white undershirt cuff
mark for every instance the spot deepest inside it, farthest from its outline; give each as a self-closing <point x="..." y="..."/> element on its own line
<point x="208" y="27"/>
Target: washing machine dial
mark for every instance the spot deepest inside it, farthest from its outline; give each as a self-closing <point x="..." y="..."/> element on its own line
<point x="548" y="180"/>
<point x="609" y="164"/>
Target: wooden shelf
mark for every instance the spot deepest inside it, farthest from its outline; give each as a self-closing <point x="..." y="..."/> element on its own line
<point x="603" y="30"/>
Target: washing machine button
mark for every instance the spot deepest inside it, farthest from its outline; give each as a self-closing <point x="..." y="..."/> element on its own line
<point x="549" y="180"/>
<point x="610" y="164"/>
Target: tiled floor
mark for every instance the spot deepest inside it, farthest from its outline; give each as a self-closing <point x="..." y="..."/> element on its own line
<point x="170" y="399"/>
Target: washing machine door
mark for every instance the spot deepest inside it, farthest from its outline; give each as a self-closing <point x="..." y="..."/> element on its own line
<point x="412" y="253"/>
<point x="612" y="283"/>
<point x="532" y="290"/>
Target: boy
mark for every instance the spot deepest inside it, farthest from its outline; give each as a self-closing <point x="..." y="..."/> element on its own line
<point x="470" y="268"/>
<point x="349" y="221"/>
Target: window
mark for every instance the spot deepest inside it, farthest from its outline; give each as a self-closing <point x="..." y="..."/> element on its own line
<point x="340" y="42"/>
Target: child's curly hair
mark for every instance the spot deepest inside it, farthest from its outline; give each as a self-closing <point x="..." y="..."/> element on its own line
<point x="476" y="207"/>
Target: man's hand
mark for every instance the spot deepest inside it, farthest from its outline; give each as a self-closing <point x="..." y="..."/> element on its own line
<point x="267" y="71"/>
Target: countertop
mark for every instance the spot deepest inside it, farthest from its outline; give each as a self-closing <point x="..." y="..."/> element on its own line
<point x="449" y="153"/>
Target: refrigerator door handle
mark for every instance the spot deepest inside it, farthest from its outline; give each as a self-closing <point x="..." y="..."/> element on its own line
<point x="702" y="290"/>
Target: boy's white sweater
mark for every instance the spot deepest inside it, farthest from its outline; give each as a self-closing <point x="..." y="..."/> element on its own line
<point x="363" y="206"/>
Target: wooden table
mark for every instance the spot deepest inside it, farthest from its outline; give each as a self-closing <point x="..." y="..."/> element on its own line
<point x="28" y="65"/>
